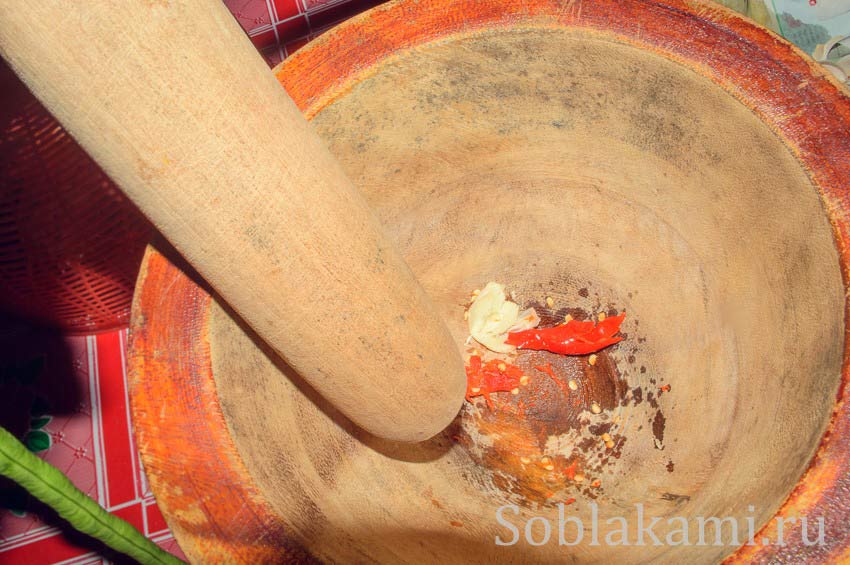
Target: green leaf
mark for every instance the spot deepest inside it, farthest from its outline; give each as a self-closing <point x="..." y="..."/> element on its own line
<point x="47" y="483"/>
<point x="38" y="423"/>
<point x="37" y="441"/>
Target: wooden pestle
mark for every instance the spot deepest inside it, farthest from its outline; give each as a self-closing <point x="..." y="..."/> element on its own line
<point x="176" y="105"/>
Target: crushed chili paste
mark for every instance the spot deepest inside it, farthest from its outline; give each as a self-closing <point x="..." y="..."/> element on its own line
<point x="483" y="379"/>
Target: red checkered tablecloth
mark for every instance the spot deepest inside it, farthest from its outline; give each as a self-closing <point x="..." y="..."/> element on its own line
<point x="279" y="27"/>
<point x="67" y="398"/>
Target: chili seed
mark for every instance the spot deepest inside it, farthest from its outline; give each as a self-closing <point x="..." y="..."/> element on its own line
<point x="573" y="385"/>
<point x="601" y="316"/>
<point x="475" y="390"/>
<point x="515" y="391"/>
<point x="502" y="366"/>
<point x="592" y="359"/>
<point x="595" y="408"/>
<point x="523" y="380"/>
<point x="549" y="302"/>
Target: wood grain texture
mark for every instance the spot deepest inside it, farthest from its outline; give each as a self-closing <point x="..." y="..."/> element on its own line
<point x="698" y="183"/>
<point x="205" y="473"/>
<point x="200" y="136"/>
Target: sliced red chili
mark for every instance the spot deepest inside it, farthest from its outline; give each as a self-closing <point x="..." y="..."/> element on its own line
<point x="571" y="338"/>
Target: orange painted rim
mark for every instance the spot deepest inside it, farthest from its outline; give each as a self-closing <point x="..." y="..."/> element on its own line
<point x="194" y="469"/>
<point x="201" y="482"/>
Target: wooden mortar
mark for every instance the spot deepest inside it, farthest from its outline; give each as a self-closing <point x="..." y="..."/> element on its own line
<point x="662" y="157"/>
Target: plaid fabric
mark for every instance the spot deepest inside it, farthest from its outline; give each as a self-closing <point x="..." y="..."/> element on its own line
<point x="279" y="27"/>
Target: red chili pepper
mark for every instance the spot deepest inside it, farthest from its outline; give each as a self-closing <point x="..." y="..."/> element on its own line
<point x="482" y="380"/>
<point x="571" y="338"/>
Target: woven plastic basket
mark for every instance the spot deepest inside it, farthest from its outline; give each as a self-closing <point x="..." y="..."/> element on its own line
<point x="70" y="243"/>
